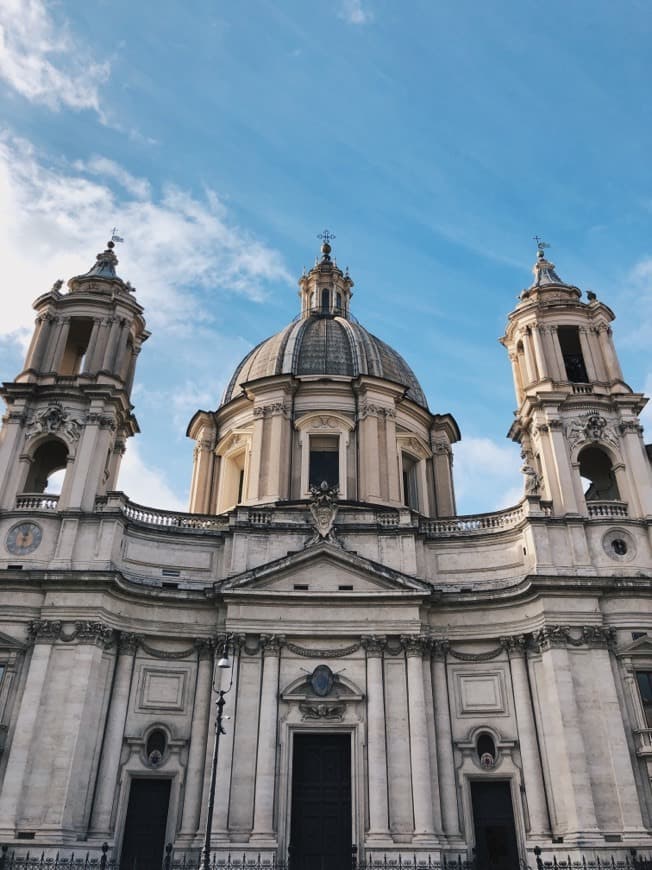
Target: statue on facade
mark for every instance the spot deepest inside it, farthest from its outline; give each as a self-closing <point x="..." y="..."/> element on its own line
<point x="532" y="477"/>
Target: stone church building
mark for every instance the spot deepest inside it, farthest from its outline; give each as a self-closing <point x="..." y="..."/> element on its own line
<point x="403" y="682"/>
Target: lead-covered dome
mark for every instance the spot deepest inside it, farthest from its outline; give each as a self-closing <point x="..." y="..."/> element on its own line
<point x="325" y="340"/>
<point x="325" y="344"/>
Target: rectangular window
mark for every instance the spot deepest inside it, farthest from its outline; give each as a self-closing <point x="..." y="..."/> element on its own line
<point x="644" y="680"/>
<point x="324" y="460"/>
<point x="571" y="350"/>
<point x="410" y="487"/>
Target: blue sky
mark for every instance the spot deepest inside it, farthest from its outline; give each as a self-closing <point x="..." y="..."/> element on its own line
<point x="434" y="138"/>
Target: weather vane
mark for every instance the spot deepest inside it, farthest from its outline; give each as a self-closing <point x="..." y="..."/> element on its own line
<point x="114" y="235"/>
<point x="540" y="243"/>
<point x="326" y="236"/>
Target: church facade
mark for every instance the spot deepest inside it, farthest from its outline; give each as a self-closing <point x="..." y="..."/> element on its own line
<point x="401" y="681"/>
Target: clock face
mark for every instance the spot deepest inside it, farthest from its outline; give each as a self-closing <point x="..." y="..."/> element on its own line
<point x="24" y="538"/>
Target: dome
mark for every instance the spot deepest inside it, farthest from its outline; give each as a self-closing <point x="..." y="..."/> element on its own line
<point x="325" y="345"/>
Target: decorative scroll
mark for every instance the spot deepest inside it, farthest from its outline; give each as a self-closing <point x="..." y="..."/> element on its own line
<point x="475" y="657"/>
<point x="308" y="653"/>
<point x="322" y="711"/>
<point x="165" y="654"/>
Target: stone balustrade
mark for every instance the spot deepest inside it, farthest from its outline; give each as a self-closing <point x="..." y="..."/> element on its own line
<point x="36" y="501"/>
<point x="607" y="509"/>
<point x="474" y="524"/>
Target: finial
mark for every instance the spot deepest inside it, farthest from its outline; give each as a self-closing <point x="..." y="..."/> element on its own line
<point x="541" y="245"/>
<point x="326" y="249"/>
<point x="115" y="237"/>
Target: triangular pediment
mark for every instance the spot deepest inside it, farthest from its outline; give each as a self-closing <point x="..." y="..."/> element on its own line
<point x="642" y="646"/>
<point x="325" y="568"/>
<point x="7" y="642"/>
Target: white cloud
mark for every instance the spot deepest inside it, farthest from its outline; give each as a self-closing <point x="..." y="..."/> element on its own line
<point x="145" y="484"/>
<point x="486" y="475"/>
<point x="138" y="187"/>
<point x="354" y="12"/>
<point x="42" y="61"/>
<point x="177" y="246"/>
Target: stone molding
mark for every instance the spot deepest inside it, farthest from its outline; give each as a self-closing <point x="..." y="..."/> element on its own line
<point x="273" y="409"/>
<point x="309" y="653"/>
<point x="368" y="409"/>
<point x="374" y="645"/>
<point x="590" y="427"/>
<point x="104" y="421"/>
<point x="415" y="646"/>
<point x="559" y="636"/>
<point x="271" y="644"/>
<point x="84" y="631"/>
<point x="630" y="426"/>
<point x="312" y="712"/>
<point x="54" y="420"/>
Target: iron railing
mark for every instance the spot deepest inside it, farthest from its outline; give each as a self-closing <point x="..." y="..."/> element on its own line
<point x="9" y="860"/>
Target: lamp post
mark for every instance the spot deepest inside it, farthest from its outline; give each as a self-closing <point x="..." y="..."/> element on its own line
<point x="225" y="664"/>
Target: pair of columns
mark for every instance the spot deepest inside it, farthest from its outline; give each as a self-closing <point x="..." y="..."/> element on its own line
<point x="427" y="770"/>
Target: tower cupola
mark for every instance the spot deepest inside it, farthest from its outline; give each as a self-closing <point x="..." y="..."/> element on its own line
<point x="576" y="418"/>
<point x="69" y="409"/>
<point x="325" y="290"/>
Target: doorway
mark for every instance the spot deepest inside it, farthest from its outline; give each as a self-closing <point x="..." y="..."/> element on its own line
<point x="495" y="831"/>
<point x="147" y="816"/>
<point x="320" y="825"/>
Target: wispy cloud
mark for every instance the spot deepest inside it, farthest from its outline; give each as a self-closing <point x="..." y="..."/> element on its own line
<point x="486" y="475"/>
<point x="354" y="12"/>
<point x="101" y="166"/>
<point x="146" y="484"/>
<point x="178" y="246"/>
<point x="44" y="62"/>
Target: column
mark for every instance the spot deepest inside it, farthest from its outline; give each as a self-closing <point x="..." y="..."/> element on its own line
<point x="198" y="734"/>
<point x="609" y="353"/>
<point x="42" y="342"/>
<point x="57" y="343"/>
<point x="527" y="739"/>
<point x="587" y="353"/>
<point x="445" y="760"/>
<point x="19" y="749"/>
<point x="267" y="739"/>
<point x="113" y="736"/>
<point x="419" y="750"/>
<point x="225" y="757"/>
<point x="572" y="796"/>
<point x="92" y="350"/>
<point x="624" y="790"/>
<point x="539" y="352"/>
<point x="376" y="742"/>
<point x="554" y="354"/>
<point x="118" y="347"/>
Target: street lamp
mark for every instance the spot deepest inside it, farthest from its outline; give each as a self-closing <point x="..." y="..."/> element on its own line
<point x="224" y="663"/>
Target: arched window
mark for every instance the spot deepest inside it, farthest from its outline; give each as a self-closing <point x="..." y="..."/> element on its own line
<point x="48" y="467"/>
<point x="571" y="351"/>
<point x="597" y="474"/>
<point x="79" y="336"/>
<point x="156" y="746"/>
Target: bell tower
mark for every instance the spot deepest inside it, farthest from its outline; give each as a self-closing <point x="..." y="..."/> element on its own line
<point x="576" y="419"/>
<point x="69" y="410"/>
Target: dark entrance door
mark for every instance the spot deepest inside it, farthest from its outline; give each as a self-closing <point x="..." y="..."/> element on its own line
<point x="147" y="815"/>
<point x="320" y="835"/>
<point x="495" y="833"/>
